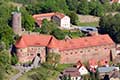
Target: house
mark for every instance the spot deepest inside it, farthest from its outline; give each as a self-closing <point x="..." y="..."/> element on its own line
<point x="28" y="46"/>
<point x="93" y="65"/>
<point x="75" y="73"/>
<point x="81" y="68"/>
<point x="111" y="72"/>
<point x="62" y="20"/>
<point x="70" y="50"/>
<point x="72" y="72"/>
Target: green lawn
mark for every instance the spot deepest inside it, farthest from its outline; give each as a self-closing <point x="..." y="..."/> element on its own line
<point x="74" y="34"/>
<point x="44" y="73"/>
<point x="10" y="73"/>
<point x="94" y="24"/>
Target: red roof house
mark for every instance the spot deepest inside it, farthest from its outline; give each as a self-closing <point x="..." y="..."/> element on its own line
<point x="70" y="50"/>
<point x="33" y="40"/>
<point x="59" y="18"/>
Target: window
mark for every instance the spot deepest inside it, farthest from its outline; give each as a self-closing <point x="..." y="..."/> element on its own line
<point x="20" y="50"/>
<point x="66" y="53"/>
<point x="31" y="54"/>
<point x="88" y="50"/>
<point x="75" y="52"/>
<point x="96" y="49"/>
<point x="71" y="53"/>
<point x="105" y="48"/>
<point x="81" y="51"/>
<point x="27" y="54"/>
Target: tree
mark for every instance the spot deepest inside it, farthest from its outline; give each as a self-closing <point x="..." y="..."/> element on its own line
<point x="37" y="29"/>
<point x="110" y="24"/>
<point x="59" y="34"/>
<point x="98" y="10"/>
<point x="14" y="59"/>
<point x="74" y="17"/>
<point x="83" y="7"/>
<point x="115" y="6"/>
<point x="4" y="59"/>
<point x="27" y="21"/>
<point x="6" y="33"/>
<point x="53" y="59"/>
<point x="107" y="6"/>
<point x="72" y="4"/>
<point x="1" y="73"/>
<point x="47" y="27"/>
<point x="92" y="5"/>
<point x="54" y="6"/>
<point x="34" y="8"/>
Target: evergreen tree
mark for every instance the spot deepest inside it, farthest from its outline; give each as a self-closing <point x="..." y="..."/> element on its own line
<point x="83" y="7"/>
<point x="74" y="18"/>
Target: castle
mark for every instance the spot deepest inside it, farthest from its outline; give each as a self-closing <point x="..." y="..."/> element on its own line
<point x="96" y="47"/>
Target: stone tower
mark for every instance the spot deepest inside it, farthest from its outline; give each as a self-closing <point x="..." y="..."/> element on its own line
<point x="16" y="22"/>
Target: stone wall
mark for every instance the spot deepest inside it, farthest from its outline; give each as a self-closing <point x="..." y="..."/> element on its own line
<point x="68" y="56"/>
<point x="85" y="54"/>
<point x="28" y="54"/>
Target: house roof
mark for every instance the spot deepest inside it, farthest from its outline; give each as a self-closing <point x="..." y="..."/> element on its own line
<point x="33" y="40"/>
<point x="43" y="15"/>
<point x="59" y="15"/>
<point x="81" y="42"/>
<point x="93" y="62"/>
<point x="39" y="17"/>
<point x="51" y="42"/>
<point x="21" y="43"/>
<point x="107" y="69"/>
<point x="73" y="72"/>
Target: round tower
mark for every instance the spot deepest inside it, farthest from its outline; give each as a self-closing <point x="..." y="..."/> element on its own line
<point x="16" y="22"/>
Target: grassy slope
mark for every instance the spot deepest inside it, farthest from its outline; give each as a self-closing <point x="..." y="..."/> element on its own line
<point x="10" y="73"/>
<point x="49" y="74"/>
<point x="93" y="24"/>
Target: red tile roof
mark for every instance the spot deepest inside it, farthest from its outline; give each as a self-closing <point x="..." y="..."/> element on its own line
<point x="93" y="62"/>
<point x="59" y="15"/>
<point x="21" y="43"/>
<point x="81" y="42"/>
<point x="73" y="72"/>
<point x="43" y="15"/>
<point x="51" y="42"/>
<point x="33" y="40"/>
<point x="39" y="17"/>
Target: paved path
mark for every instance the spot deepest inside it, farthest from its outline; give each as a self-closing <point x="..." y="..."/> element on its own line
<point x="21" y="72"/>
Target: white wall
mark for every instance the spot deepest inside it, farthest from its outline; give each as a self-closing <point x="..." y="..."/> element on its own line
<point x="65" y="22"/>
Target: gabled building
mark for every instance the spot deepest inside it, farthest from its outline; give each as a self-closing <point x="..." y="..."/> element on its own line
<point x="62" y="20"/>
<point x="70" y="50"/>
<point x="72" y="73"/>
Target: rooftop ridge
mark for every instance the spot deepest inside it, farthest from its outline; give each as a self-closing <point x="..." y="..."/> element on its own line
<point x="51" y="42"/>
